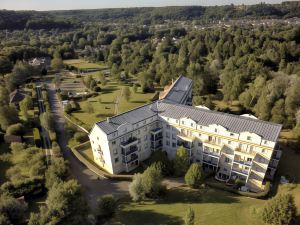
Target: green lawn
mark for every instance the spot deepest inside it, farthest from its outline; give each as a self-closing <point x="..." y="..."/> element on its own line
<point x="106" y="107"/>
<point x="83" y="64"/>
<point x="211" y="207"/>
<point x="88" y="153"/>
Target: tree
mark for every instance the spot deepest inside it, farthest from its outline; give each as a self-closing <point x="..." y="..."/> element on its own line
<point x="136" y="188"/>
<point x="15" y="129"/>
<point x="4" y="96"/>
<point x="5" y="65"/>
<point x="127" y="93"/>
<point x="65" y="205"/>
<point x="19" y="74"/>
<point x="12" y="210"/>
<point x="280" y="210"/>
<point x="181" y="162"/>
<point x="152" y="178"/>
<point x="8" y="116"/>
<point x="107" y="206"/>
<point x="57" y="172"/>
<point x="47" y="121"/>
<point x="25" y="105"/>
<point x="56" y="62"/>
<point x="189" y="217"/>
<point x="194" y="176"/>
<point x="102" y="79"/>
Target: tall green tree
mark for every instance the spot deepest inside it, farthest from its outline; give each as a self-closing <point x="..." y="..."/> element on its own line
<point x="181" y="162"/>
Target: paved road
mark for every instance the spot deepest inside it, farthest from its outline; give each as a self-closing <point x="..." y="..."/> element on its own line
<point x="92" y="185"/>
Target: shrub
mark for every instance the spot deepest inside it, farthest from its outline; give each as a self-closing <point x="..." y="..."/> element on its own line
<point x="238" y="183"/>
<point x="280" y="210"/>
<point x="152" y="180"/>
<point x="136" y="189"/>
<point x="80" y="137"/>
<point x="194" y="176"/>
<point x="166" y="164"/>
<point x="15" y="129"/>
<point x="107" y="206"/>
<point x="181" y="162"/>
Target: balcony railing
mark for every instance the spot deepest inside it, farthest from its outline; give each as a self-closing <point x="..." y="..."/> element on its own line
<point x="156" y="130"/>
<point x="238" y="149"/>
<point x="155" y="146"/>
<point x="240" y="171"/>
<point x="129" y="142"/>
<point x="133" y="157"/>
<point x="214" y="154"/>
<point x="130" y="150"/>
<point x="242" y="162"/>
<point x="210" y="162"/>
<point x="156" y="137"/>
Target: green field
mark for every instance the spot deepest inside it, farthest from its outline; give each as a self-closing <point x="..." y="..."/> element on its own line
<point x="83" y="64"/>
<point x="211" y="206"/>
<point x="106" y="107"/>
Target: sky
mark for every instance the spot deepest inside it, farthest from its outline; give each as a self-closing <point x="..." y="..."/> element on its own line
<point x="93" y="4"/>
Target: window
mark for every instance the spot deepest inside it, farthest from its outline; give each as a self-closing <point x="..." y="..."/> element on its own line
<point x="249" y="159"/>
<point x="115" y="151"/>
<point x="174" y="145"/>
<point x="199" y="134"/>
<point x="200" y="144"/>
<point x="176" y="121"/>
<point x="113" y="142"/>
<point x="168" y="143"/>
<point x="227" y="160"/>
<point x="182" y="122"/>
<point x="93" y="142"/>
<point x="248" y="138"/>
<point x="263" y="151"/>
<point x="174" y="136"/>
<point x="97" y="138"/>
<point x="192" y="124"/>
<point x="231" y="134"/>
<point x="167" y="134"/>
<point x="229" y="142"/>
<point x="117" y="160"/>
<point x="216" y="130"/>
<point x="145" y="138"/>
<point x="168" y="126"/>
<point x="146" y="146"/>
<point x="265" y="142"/>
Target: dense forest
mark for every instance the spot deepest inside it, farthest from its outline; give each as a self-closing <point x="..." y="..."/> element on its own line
<point x="255" y="67"/>
<point x="72" y="18"/>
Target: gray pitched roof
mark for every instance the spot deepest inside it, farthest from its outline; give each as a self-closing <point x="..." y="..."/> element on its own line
<point x="133" y="116"/>
<point x="234" y="123"/>
<point x="179" y="90"/>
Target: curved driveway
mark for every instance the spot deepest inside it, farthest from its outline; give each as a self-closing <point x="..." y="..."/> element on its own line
<point x="92" y="185"/>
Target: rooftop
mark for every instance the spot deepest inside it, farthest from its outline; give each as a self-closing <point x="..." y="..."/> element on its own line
<point x="233" y="123"/>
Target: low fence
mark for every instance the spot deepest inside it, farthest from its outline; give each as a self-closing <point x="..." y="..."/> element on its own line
<point x="93" y="167"/>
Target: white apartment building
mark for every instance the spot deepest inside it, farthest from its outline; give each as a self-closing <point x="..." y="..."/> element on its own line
<point x="233" y="146"/>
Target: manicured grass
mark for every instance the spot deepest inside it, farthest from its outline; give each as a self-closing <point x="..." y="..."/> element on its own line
<point x="106" y="107"/>
<point x="83" y="64"/>
<point x="211" y="207"/>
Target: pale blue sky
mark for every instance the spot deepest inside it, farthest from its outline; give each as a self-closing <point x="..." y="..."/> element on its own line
<point x="93" y="4"/>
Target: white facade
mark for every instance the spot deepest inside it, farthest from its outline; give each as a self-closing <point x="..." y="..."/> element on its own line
<point x="245" y="155"/>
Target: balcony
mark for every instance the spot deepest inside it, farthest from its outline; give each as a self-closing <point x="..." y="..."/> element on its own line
<point x="238" y="149"/>
<point x="240" y="171"/>
<point x="156" y="130"/>
<point x="213" y="143"/>
<point x="156" y="145"/>
<point x="213" y="154"/>
<point x="185" y="144"/>
<point x="156" y="137"/>
<point x="210" y="162"/>
<point x="129" y="142"/>
<point x="133" y="158"/>
<point x="242" y="162"/>
<point x="130" y="150"/>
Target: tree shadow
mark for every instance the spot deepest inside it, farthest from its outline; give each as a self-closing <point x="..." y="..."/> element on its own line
<point x="207" y="195"/>
<point x="147" y="217"/>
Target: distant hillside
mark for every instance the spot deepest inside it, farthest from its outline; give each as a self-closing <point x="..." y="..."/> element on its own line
<point x="69" y="18"/>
